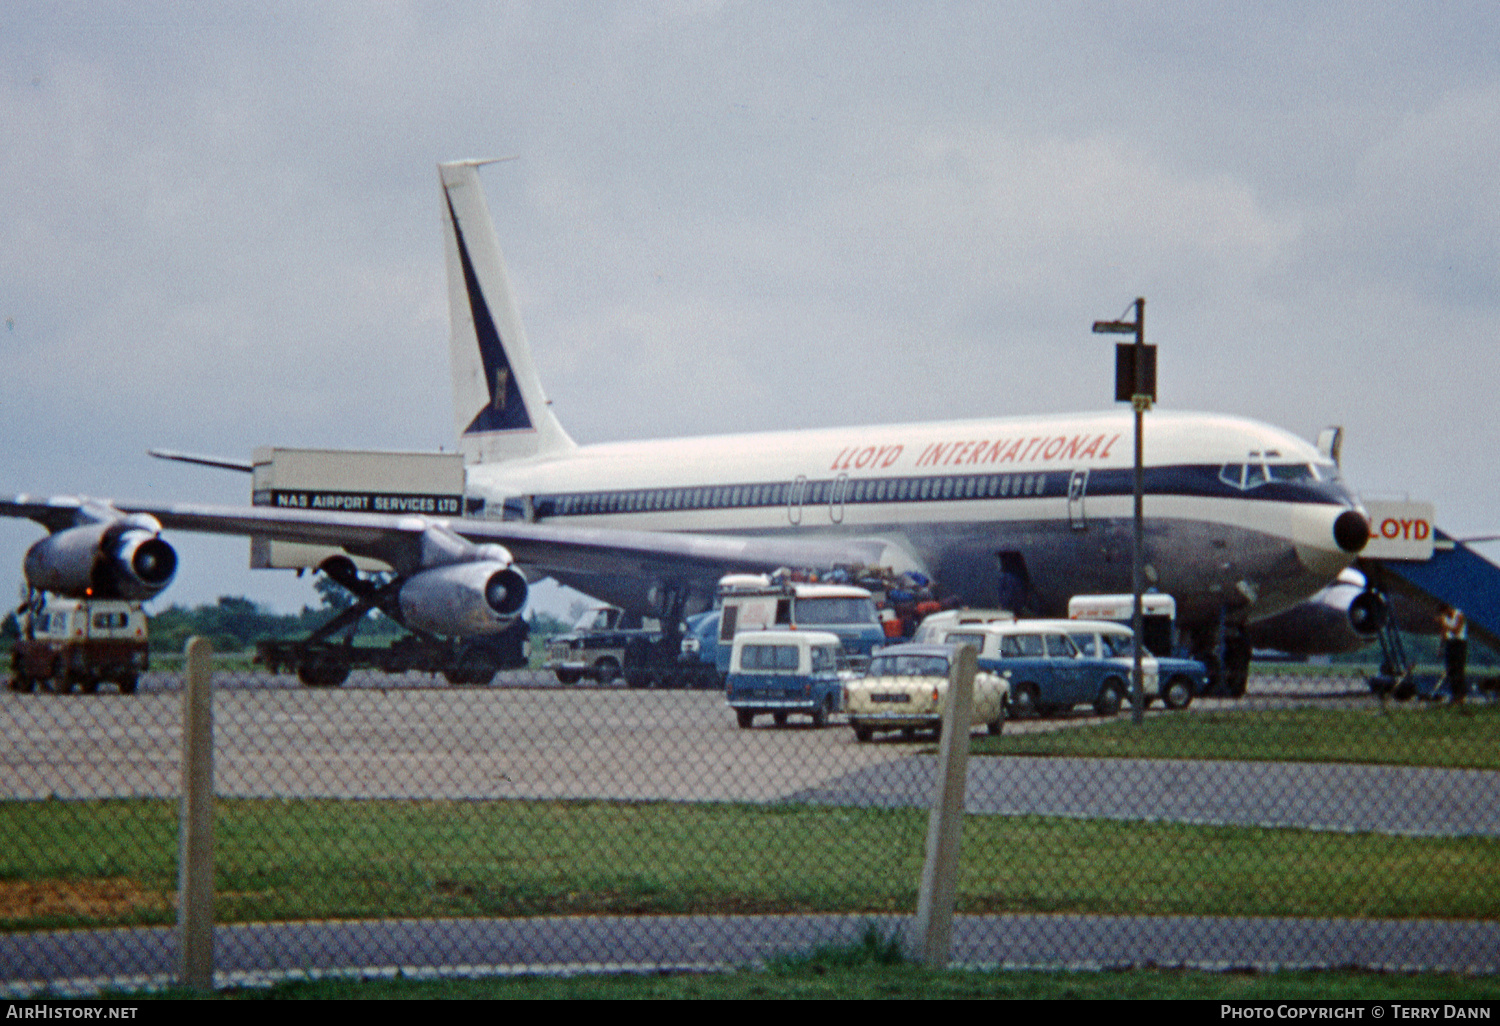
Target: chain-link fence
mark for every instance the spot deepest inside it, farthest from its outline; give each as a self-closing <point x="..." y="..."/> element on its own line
<point x="404" y="824"/>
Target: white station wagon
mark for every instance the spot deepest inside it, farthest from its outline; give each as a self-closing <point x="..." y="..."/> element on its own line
<point x="1052" y="665"/>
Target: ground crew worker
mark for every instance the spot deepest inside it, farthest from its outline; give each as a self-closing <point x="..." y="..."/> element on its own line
<point x="1455" y="630"/>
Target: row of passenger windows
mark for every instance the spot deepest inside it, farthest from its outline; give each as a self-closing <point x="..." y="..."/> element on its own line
<point x="811" y="493"/>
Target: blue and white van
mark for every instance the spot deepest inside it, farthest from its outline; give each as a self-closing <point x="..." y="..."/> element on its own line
<point x="785" y="672"/>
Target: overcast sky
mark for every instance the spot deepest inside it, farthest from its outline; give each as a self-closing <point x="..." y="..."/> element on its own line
<point x="221" y="225"/>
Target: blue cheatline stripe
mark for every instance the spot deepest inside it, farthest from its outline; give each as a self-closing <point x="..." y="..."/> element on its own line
<point x="1188" y="480"/>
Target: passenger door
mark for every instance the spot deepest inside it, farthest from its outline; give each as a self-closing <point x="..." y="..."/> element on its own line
<point x="794" y="500"/>
<point x="1068" y="669"/>
<point x="1078" y="486"/>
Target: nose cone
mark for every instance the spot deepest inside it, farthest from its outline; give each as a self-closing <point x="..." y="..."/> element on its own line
<point x="1351" y="531"/>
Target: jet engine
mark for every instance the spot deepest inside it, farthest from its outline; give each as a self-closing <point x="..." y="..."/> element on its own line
<point x="463" y="599"/>
<point x="118" y="559"/>
<point x="1345" y="616"/>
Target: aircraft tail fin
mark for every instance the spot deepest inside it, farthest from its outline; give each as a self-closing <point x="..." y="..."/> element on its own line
<point x="500" y="411"/>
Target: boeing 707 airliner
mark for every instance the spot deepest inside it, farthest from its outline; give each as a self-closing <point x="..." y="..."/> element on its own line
<point x="1243" y="520"/>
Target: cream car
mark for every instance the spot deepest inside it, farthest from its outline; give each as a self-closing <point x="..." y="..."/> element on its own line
<point x="905" y="689"/>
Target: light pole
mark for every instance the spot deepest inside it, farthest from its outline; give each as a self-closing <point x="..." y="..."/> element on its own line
<point x="1135" y="382"/>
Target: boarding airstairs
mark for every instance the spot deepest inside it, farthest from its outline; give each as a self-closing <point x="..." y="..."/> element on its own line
<point x="1454" y="575"/>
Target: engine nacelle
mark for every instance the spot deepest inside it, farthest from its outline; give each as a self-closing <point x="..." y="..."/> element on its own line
<point x="464" y="599"/>
<point x="121" y="559"/>
<point x="1344" y="617"/>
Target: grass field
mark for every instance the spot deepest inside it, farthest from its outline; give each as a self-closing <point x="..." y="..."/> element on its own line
<point x="114" y="862"/>
<point x="1397" y="735"/>
<point x="98" y="863"/>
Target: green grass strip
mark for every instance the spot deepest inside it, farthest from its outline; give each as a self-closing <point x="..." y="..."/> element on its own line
<point x="113" y="862"/>
<point x="1397" y="735"/>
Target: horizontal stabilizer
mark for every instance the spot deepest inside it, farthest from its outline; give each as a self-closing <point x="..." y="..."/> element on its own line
<point x="220" y="462"/>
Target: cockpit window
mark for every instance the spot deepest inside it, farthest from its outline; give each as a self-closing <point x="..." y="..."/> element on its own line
<point x="1291" y="472"/>
<point x="1257" y="472"/>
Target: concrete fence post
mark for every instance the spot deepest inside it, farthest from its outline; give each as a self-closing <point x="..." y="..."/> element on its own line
<point x="195" y="836"/>
<point x="939" y="893"/>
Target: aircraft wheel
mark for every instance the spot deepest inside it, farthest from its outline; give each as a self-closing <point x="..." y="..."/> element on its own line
<point x="474" y="667"/>
<point x="1178" y="694"/>
<point x="324" y="670"/>
<point x="1237" y="665"/>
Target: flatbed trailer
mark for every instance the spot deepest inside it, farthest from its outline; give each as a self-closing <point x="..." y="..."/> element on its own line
<point x="324" y="663"/>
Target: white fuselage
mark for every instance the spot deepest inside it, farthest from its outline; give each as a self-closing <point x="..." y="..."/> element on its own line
<point x="979" y="504"/>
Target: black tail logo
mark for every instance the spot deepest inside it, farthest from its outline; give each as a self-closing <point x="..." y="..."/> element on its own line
<point x="506" y="410"/>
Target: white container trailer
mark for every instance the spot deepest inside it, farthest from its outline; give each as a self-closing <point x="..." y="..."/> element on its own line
<point x="354" y="481"/>
<point x="1158" y="616"/>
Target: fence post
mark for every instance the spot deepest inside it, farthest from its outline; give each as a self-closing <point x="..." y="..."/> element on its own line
<point x="939" y="892"/>
<point x="195" y="832"/>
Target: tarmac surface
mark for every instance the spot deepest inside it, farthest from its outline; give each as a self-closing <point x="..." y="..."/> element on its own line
<point x="530" y="742"/>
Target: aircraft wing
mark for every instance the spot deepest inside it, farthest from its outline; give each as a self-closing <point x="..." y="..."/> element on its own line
<point x="407" y="541"/>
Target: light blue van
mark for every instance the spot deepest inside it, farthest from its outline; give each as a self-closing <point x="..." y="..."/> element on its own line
<point x="785" y="672"/>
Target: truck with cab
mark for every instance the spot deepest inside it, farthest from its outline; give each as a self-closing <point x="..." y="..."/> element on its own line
<point x="594" y="648"/>
<point x="607" y="645"/>
<point x="80" y="643"/>
<point x="755" y="602"/>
